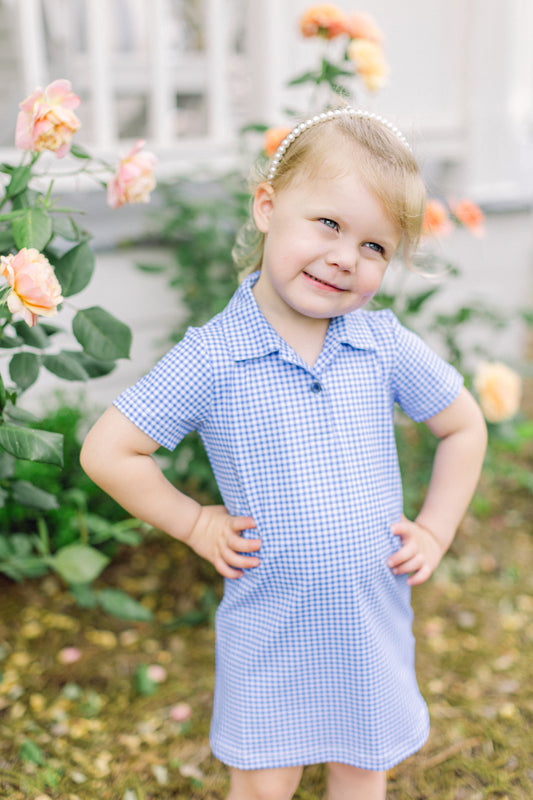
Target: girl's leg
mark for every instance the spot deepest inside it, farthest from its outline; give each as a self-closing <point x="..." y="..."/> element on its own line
<point x="350" y="783"/>
<point x="264" y="784"/>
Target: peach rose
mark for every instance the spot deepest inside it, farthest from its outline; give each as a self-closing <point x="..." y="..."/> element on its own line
<point x="469" y="215"/>
<point x="359" y="25"/>
<point x="369" y="62"/>
<point x="324" y="20"/>
<point x="35" y="289"/>
<point x="46" y="120"/>
<point x="436" y="219"/>
<point x="134" y="178"/>
<point x="273" y="139"/>
<point x="499" y="390"/>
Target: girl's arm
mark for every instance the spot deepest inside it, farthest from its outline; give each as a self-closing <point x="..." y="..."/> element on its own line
<point x="456" y="469"/>
<point x="118" y="457"/>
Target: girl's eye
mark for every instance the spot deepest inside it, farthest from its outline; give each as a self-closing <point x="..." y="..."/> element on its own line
<point x="330" y="223"/>
<point x="375" y="246"/>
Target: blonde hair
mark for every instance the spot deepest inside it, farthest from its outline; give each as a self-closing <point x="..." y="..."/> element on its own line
<point x="383" y="160"/>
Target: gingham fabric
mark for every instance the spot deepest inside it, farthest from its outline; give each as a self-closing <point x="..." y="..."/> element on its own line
<point x="315" y="651"/>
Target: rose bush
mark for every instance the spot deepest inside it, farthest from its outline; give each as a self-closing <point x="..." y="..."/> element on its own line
<point x="45" y="259"/>
<point x="360" y="51"/>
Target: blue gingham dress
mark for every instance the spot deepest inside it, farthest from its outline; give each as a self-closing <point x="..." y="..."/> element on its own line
<point x="315" y="651"/>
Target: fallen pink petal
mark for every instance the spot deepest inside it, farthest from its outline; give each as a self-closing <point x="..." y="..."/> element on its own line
<point x="156" y="673"/>
<point x="181" y="712"/>
<point x="69" y="655"/>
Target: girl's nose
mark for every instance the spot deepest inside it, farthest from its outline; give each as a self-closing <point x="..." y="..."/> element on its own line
<point x="343" y="256"/>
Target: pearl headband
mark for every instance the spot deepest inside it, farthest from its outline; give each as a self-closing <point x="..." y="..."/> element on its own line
<point x="324" y="117"/>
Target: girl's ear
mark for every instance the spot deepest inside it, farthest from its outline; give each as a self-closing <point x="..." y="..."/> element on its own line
<point x="263" y="205"/>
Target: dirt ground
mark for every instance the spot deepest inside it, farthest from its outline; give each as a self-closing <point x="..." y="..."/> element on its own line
<point x="79" y="719"/>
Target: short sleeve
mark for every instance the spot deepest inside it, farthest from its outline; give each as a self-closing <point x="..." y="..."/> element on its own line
<point x="423" y="383"/>
<point x="174" y="397"/>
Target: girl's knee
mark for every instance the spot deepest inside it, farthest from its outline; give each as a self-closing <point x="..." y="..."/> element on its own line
<point x="346" y="782"/>
<point x="264" y="784"/>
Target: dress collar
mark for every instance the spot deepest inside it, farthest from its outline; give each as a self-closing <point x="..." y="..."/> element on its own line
<point x="250" y="335"/>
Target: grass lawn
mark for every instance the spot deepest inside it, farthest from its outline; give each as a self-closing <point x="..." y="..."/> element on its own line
<point x="95" y="728"/>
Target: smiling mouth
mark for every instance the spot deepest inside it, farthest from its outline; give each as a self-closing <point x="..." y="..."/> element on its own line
<point x="323" y="283"/>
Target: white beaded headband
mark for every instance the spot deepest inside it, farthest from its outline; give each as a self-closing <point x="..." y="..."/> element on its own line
<point x="324" y="117"/>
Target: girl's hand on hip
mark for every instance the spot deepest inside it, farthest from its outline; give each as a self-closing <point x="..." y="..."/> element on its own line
<point x="419" y="554"/>
<point x="217" y="537"/>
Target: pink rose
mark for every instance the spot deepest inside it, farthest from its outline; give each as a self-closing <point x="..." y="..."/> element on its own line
<point x="469" y="215"/>
<point x="273" y="139"/>
<point x="134" y="178"/>
<point x="436" y="219"/>
<point x="370" y="63"/>
<point x="325" y="20"/>
<point x="499" y="390"/>
<point x="35" y="289"/>
<point x="46" y="120"/>
<point x="363" y="26"/>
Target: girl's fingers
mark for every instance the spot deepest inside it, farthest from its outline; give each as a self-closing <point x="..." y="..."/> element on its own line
<point x="420" y="576"/>
<point x="242" y="523"/>
<point x="226" y="571"/>
<point x="240" y="544"/>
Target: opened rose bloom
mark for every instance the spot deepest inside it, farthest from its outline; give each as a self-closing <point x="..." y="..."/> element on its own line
<point x="369" y="62"/>
<point x="469" y="215"/>
<point x="359" y="25"/>
<point x="35" y="289"/>
<point x="134" y="178"/>
<point x="273" y="139"/>
<point x="499" y="389"/>
<point x="46" y="120"/>
<point x="436" y="219"/>
<point x="325" y="20"/>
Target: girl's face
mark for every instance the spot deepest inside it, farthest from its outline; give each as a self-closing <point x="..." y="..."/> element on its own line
<point x="328" y="242"/>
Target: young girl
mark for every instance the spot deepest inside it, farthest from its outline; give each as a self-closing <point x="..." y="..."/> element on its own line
<point x="292" y="388"/>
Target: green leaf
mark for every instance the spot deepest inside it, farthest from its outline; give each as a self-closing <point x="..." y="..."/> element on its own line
<point x="24" y="369"/>
<point x="31" y="752"/>
<point x="79" y="563"/>
<point x="7" y="466"/>
<point x="101" y="335"/>
<point x="35" y="336"/>
<point x="121" y="605"/>
<point x="84" y="596"/>
<point x="7" y="242"/>
<point x="32" y="445"/>
<point x="64" y="366"/>
<point x="21" y="416"/>
<point x="92" y="366"/>
<point x="307" y="77"/>
<point x="66" y="228"/>
<point x="144" y="685"/>
<point x="34" y="229"/>
<point x="31" y="496"/>
<point x="415" y="303"/>
<point x="9" y="342"/>
<point x="5" y="291"/>
<point x="79" y="152"/>
<point x="20" y="178"/>
<point x="74" y="269"/>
